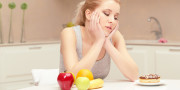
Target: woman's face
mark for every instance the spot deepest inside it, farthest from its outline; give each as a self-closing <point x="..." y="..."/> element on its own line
<point x="109" y="12"/>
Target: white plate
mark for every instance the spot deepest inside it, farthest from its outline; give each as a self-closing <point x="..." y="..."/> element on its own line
<point x="150" y="84"/>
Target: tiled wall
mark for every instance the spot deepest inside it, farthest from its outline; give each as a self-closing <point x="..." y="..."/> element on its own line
<point x="134" y="15"/>
<point x="44" y="19"/>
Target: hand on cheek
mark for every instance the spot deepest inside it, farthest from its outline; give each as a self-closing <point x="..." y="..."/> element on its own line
<point x="110" y="36"/>
<point x="112" y="33"/>
<point x="95" y="28"/>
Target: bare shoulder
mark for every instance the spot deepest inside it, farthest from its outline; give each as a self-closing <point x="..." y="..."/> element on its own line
<point x="67" y="31"/>
<point x="68" y="37"/>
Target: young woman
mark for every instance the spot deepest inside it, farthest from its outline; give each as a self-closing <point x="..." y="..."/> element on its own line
<point x="95" y="40"/>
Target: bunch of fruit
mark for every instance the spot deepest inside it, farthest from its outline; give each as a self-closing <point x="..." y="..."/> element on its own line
<point x="84" y="80"/>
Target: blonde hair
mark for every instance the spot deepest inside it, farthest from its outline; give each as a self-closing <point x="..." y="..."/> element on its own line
<point x="83" y="6"/>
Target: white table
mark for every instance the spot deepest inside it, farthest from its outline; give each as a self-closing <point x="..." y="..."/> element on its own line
<point x="119" y="85"/>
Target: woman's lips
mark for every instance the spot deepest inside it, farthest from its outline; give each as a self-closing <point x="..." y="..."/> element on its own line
<point x="109" y="28"/>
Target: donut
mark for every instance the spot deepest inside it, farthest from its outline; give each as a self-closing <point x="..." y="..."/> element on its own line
<point x="150" y="78"/>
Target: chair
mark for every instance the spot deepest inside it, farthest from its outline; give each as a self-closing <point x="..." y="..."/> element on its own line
<point x="45" y="76"/>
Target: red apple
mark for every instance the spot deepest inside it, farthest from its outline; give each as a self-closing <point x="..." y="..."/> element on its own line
<point x="65" y="81"/>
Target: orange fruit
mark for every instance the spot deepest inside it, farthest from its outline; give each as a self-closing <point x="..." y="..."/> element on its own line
<point x="85" y="73"/>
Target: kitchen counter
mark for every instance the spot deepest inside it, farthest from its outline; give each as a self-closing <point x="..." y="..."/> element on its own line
<point x="128" y="42"/>
<point x="28" y="43"/>
<point x="119" y="85"/>
<point x="151" y="43"/>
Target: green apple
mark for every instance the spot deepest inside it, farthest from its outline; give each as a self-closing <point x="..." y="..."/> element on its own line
<point x="82" y="83"/>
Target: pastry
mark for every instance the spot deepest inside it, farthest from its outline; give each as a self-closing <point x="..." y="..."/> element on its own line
<point x="151" y="78"/>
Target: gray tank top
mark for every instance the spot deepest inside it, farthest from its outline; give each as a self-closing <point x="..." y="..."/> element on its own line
<point x="101" y="67"/>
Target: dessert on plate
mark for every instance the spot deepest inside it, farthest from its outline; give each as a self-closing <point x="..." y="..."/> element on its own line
<point x="150" y="78"/>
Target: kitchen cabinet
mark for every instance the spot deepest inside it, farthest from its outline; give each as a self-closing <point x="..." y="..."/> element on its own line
<point x="16" y="63"/>
<point x="142" y="55"/>
<point x="162" y="60"/>
<point x="168" y="62"/>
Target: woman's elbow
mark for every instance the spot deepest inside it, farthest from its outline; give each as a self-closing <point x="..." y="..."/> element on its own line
<point x="134" y="76"/>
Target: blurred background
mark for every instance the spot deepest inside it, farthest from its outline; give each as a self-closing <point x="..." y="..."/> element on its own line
<point x="44" y="19"/>
<point x="142" y="23"/>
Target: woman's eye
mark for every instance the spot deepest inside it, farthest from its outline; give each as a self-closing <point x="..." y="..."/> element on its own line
<point x="106" y="14"/>
<point x="116" y="18"/>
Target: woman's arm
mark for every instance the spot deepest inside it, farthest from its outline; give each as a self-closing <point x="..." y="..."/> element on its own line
<point x="68" y="46"/>
<point x="70" y="57"/>
<point x="120" y="56"/>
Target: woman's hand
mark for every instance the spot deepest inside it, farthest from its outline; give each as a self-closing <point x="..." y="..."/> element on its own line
<point x="112" y="33"/>
<point x="110" y="36"/>
<point x="95" y="28"/>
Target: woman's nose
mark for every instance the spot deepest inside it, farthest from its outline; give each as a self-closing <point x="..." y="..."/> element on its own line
<point x="111" y="19"/>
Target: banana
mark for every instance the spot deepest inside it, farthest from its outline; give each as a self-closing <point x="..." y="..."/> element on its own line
<point x="96" y="83"/>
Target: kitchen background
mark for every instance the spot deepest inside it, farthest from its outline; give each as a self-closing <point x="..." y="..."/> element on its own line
<point x="44" y="19"/>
